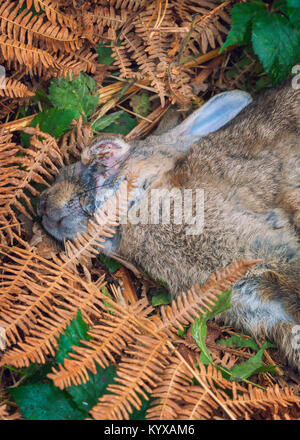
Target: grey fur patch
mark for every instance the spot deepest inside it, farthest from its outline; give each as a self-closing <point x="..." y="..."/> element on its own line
<point x="250" y="312"/>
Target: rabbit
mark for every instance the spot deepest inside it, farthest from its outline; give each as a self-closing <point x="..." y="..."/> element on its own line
<point x="244" y="156"/>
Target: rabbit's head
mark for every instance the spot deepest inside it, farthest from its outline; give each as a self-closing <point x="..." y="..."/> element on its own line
<point x="81" y="188"/>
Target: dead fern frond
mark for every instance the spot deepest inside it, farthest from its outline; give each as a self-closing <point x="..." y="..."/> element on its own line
<point x="141" y="370"/>
<point x="14" y="89"/>
<point x="87" y="244"/>
<point x="21" y="167"/>
<point x="138" y="374"/>
<point x="51" y="8"/>
<point x="109" y="338"/>
<point x="175" y="380"/>
<point x="28" y="28"/>
<point x="198" y="299"/>
<point x="4" y="414"/>
<point x="49" y="297"/>
<point x="259" y="400"/>
<point x="16" y="53"/>
<point x="73" y="142"/>
<point x="136" y="46"/>
<point x="74" y="63"/>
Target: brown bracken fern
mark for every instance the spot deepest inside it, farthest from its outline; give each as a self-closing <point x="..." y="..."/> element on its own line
<point x="40" y="297"/>
<point x="150" y="41"/>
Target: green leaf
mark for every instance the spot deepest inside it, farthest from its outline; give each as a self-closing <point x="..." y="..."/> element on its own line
<point x="106" y="121"/>
<point x="39" y="399"/>
<point x="141" y="413"/>
<point x="277" y="45"/>
<point x="243" y="15"/>
<point x="43" y="401"/>
<point x="104" y="54"/>
<point x="182" y="333"/>
<point x="141" y="104"/>
<point x="199" y="327"/>
<point x="160" y="298"/>
<point x="86" y="395"/>
<point x="199" y="330"/>
<point x="35" y="373"/>
<point x="79" y="95"/>
<point x="237" y="341"/>
<point x="54" y="121"/>
<point x="74" y="333"/>
<point x="123" y="125"/>
<point x="223" y="303"/>
<point x="294" y="11"/>
<point x="111" y="264"/>
<point x="251" y="366"/>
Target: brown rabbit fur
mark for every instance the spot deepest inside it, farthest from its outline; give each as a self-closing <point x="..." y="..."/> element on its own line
<point x="250" y="174"/>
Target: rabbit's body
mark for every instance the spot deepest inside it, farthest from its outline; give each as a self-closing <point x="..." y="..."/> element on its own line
<point x="250" y="174"/>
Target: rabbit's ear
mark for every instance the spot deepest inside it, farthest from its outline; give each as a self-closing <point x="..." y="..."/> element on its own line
<point x="213" y="115"/>
<point x="106" y="152"/>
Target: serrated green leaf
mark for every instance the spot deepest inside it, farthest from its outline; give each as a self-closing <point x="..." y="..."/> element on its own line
<point x="294" y="11"/>
<point x="44" y="401"/>
<point x="74" y="333"/>
<point x="102" y="123"/>
<point x="79" y="95"/>
<point x="35" y="373"/>
<point x="243" y="15"/>
<point x="54" y="121"/>
<point x="277" y="45"/>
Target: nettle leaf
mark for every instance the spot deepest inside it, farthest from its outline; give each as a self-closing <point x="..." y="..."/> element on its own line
<point x="277" y="45"/>
<point x="79" y="95"/>
<point x="294" y="11"/>
<point x="54" y="121"/>
<point x="243" y="15"/>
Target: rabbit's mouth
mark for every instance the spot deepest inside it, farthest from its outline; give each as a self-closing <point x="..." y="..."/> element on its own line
<point x="66" y="227"/>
